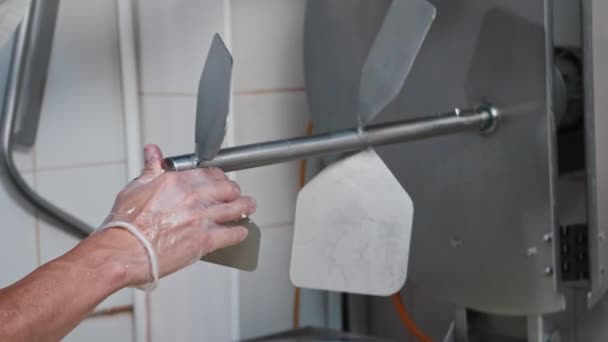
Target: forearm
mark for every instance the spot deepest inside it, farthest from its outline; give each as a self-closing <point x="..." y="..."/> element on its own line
<point x="52" y="300"/>
<point x="181" y="216"/>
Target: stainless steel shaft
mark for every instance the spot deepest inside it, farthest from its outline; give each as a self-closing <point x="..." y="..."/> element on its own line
<point x="484" y="119"/>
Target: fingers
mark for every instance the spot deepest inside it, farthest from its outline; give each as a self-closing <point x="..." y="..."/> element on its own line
<point x="212" y="173"/>
<point x="223" y="191"/>
<point x="222" y="237"/>
<point x="232" y="211"/>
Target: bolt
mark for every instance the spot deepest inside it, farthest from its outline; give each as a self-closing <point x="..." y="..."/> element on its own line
<point x="548" y="271"/>
<point x="455" y="243"/>
<point x="548" y="238"/>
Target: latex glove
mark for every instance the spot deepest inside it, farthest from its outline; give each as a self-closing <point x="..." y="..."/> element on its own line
<point x="181" y="215"/>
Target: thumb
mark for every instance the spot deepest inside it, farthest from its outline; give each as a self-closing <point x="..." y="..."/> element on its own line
<point x="153" y="158"/>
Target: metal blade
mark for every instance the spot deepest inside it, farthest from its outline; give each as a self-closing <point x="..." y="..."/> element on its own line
<point x="243" y="256"/>
<point x="392" y="55"/>
<point x="213" y="100"/>
<point x="353" y="228"/>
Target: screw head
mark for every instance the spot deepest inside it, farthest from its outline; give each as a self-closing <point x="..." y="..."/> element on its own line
<point x="548" y="271"/>
<point x="548" y="238"/>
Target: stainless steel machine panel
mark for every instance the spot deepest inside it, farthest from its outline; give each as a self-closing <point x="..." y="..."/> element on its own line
<point x="595" y="42"/>
<point x="484" y="206"/>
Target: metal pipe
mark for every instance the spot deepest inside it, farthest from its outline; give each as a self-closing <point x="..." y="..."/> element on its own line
<point x="273" y="152"/>
<point x="24" y="43"/>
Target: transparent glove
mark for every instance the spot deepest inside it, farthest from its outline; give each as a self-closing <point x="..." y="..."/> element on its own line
<point x="177" y="216"/>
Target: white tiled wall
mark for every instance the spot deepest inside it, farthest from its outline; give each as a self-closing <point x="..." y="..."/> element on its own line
<point x="18" y="247"/>
<point x="115" y="328"/>
<point x="173" y="43"/>
<point x="267" y="40"/>
<point x="79" y="160"/>
<point x="196" y="304"/>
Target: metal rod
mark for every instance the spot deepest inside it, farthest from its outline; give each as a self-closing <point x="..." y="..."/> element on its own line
<point x="274" y="152"/>
<point x="25" y="42"/>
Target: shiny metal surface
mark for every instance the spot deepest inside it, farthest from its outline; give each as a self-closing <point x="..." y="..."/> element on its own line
<point x="34" y="78"/>
<point x="20" y="64"/>
<point x="213" y="100"/>
<point x="392" y="55"/>
<point x="243" y="256"/>
<point x="342" y="241"/>
<point x="274" y="152"/>
<point x="483" y="205"/>
<point x="595" y="42"/>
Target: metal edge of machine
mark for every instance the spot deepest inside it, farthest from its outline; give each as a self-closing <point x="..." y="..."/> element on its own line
<point x="595" y="52"/>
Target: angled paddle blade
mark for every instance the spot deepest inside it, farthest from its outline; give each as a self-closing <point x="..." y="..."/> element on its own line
<point x="352" y="229"/>
<point x="392" y="55"/>
<point x="213" y="100"/>
<point x="213" y="105"/>
<point x="243" y="256"/>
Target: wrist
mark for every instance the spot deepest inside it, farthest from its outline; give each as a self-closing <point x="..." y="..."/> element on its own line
<point x="118" y="255"/>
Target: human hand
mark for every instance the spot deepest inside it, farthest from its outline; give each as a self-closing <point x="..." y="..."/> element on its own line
<point x="181" y="214"/>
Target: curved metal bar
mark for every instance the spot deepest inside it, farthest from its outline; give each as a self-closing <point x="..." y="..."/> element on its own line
<point x="19" y="63"/>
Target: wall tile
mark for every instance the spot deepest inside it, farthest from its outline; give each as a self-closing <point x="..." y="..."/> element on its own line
<point x="269" y="116"/>
<point x="193" y="304"/>
<point x="168" y="121"/>
<point x="262" y="118"/>
<point x="18" y="248"/>
<point x="81" y="119"/>
<point x="87" y="193"/>
<point x="268" y="290"/>
<point x="267" y="39"/>
<point x="174" y="38"/>
<point x="117" y="328"/>
<point x="24" y="159"/>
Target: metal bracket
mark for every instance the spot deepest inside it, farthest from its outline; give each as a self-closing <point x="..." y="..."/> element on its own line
<point x="574" y="253"/>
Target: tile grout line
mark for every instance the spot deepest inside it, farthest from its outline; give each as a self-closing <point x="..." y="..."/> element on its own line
<point x="243" y="92"/>
<point x="79" y="166"/>
<point x="269" y="91"/>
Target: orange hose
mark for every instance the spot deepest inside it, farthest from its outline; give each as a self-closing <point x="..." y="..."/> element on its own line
<point x="407" y="321"/>
<point x="302" y="182"/>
